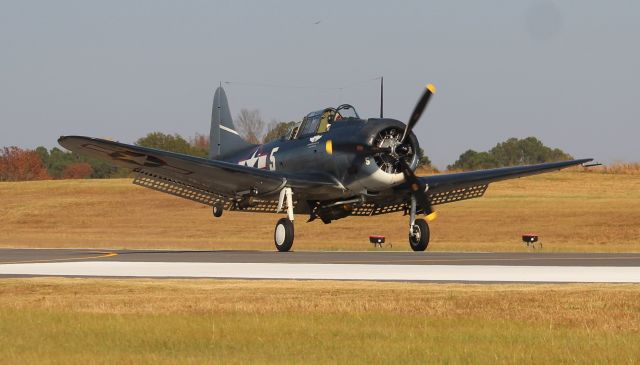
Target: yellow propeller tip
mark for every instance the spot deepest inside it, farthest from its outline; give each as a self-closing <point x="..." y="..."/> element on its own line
<point x="329" y="147"/>
<point x="431" y="88"/>
<point x="431" y="217"/>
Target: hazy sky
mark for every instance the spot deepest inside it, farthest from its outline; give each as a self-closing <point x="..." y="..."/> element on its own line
<point x="567" y="72"/>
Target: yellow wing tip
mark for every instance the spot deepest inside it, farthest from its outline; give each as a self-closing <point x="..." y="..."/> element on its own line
<point x="329" y="147"/>
<point x="431" y="217"/>
<point x="432" y="88"/>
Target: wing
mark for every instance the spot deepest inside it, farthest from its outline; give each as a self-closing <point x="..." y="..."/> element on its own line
<point x="447" y="188"/>
<point x="185" y="175"/>
<point x="447" y="182"/>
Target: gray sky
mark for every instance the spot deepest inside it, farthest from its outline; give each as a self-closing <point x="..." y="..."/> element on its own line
<point x="567" y="72"/>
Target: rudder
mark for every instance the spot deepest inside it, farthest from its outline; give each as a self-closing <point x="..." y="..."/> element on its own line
<point x="223" y="138"/>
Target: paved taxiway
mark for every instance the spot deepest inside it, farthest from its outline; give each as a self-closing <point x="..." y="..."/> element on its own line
<point x="400" y="266"/>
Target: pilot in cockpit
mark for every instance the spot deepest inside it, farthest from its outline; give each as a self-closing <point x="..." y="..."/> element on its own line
<point x="328" y="116"/>
<point x="320" y="121"/>
<point x="344" y="111"/>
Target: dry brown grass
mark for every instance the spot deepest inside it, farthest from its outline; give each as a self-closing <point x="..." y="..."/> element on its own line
<point x="570" y="305"/>
<point x="628" y="168"/>
<point x="570" y="210"/>
<point x="219" y="321"/>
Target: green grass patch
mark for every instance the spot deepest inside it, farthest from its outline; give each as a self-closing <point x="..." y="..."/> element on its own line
<point x="81" y="321"/>
<point x="39" y="336"/>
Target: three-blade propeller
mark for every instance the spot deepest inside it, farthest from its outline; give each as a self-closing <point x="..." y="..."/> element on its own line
<point x="416" y="186"/>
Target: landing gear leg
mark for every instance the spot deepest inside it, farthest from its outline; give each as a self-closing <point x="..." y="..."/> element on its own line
<point x="418" y="229"/>
<point x="284" y="233"/>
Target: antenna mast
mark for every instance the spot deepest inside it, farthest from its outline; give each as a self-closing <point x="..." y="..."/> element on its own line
<point x="381" y="95"/>
<point x="219" y="124"/>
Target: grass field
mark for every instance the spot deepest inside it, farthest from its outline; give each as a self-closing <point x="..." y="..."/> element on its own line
<point x="570" y="210"/>
<point x="205" y="321"/>
<point x="138" y="321"/>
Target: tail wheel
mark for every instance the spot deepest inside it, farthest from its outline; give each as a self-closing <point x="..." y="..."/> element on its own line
<point x="283" y="235"/>
<point x="419" y="236"/>
<point x="217" y="211"/>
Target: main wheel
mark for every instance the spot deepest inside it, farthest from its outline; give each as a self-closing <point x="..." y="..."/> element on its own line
<point x="283" y="235"/>
<point x="419" y="240"/>
<point x="217" y="211"/>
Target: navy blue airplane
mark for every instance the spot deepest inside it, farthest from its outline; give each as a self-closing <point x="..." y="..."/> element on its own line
<point x="331" y="165"/>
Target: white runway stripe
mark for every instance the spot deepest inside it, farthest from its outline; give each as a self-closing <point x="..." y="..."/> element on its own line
<point x="475" y="273"/>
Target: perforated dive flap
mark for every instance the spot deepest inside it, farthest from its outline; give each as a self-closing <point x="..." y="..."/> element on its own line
<point x="187" y="191"/>
<point x="180" y="189"/>
<point x="453" y="195"/>
<point x="458" y="194"/>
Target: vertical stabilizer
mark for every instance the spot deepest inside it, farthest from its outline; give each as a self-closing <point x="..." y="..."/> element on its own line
<point x="223" y="137"/>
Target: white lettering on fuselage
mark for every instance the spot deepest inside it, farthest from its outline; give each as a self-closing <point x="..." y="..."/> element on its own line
<point x="272" y="158"/>
<point x="260" y="160"/>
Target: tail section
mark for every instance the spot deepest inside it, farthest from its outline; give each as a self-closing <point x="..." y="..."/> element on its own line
<point x="224" y="139"/>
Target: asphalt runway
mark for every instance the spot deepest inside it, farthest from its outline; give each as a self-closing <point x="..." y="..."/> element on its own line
<point x="378" y="265"/>
<point x="326" y="257"/>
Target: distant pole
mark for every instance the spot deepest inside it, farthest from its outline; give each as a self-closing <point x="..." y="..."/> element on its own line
<point x="381" y="94"/>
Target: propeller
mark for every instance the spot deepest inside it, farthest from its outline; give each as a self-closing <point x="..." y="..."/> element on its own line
<point x="416" y="186"/>
<point x="417" y="111"/>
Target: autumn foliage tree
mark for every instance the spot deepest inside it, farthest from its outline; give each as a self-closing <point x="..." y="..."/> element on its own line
<point x="17" y="164"/>
<point x="57" y="161"/>
<point x="200" y="141"/>
<point x="78" y="170"/>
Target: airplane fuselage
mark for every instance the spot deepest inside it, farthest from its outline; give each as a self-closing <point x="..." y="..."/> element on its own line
<point x="314" y="153"/>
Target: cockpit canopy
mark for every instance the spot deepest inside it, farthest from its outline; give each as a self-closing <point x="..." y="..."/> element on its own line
<point x="320" y="121"/>
<point x="346" y="111"/>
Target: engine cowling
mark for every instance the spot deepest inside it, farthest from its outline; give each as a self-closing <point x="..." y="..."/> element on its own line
<point x="380" y="171"/>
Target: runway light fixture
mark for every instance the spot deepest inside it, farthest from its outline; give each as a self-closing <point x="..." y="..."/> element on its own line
<point x="530" y="239"/>
<point x="376" y="240"/>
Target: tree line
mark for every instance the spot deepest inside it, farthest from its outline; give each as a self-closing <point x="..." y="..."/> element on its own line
<point x="18" y="164"/>
<point x="512" y="152"/>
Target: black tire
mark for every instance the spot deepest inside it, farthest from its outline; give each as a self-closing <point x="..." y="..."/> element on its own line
<point x="420" y="240"/>
<point x="217" y="211"/>
<point x="283" y="235"/>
